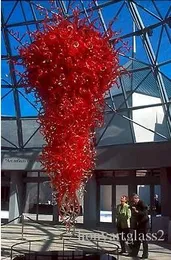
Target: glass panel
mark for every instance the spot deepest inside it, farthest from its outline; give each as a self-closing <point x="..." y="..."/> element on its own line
<point x="7" y="110"/>
<point x="45" y="209"/>
<point x="157" y="200"/>
<point x="120" y="191"/>
<point x="157" y="191"/>
<point x="11" y="135"/>
<point x="116" y="130"/>
<point x="156" y="121"/>
<point x="144" y="193"/>
<point x="31" y="200"/>
<point x="5" y="73"/>
<point x="32" y="133"/>
<point x="106" y="203"/>
<point x="27" y="108"/>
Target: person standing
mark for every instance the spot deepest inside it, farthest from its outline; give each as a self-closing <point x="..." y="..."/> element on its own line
<point x="123" y="215"/>
<point x="140" y="225"/>
<point x="157" y="207"/>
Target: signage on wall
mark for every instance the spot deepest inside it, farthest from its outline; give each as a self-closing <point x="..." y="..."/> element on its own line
<point x="20" y="163"/>
<point x="16" y="160"/>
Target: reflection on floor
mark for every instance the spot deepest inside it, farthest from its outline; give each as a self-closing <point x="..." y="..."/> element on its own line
<point x="54" y="237"/>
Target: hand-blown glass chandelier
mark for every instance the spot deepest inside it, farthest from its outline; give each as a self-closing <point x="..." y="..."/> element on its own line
<point x="69" y="66"/>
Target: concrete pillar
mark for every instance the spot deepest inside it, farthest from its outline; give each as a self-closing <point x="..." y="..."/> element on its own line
<point x="16" y="196"/>
<point x="55" y="214"/>
<point x="90" y="204"/>
<point x="165" y="179"/>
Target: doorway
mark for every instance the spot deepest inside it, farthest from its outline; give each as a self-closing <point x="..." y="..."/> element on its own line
<point x="111" y="186"/>
<point x="109" y="198"/>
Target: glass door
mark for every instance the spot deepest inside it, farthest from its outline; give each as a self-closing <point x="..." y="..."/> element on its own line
<point x="106" y="203"/>
<point x="120" y="191"/>
<point x="143" y="192"/>
<point x="45" y="206"/>
<point x="31" y="206"/>
<point x="109" y="198"/>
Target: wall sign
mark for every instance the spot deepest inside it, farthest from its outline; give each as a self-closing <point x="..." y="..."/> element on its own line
<point x="24" y="162"/>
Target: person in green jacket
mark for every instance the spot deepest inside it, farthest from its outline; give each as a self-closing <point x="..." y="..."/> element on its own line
<point x="123" y="216"/>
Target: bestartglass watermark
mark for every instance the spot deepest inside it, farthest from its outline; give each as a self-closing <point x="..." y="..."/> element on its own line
<point x="129" y="237"/>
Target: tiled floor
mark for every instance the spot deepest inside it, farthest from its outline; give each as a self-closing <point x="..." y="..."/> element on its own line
<point x="49" y="238"/>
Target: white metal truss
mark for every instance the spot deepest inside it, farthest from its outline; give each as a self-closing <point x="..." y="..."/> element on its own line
<point x="150" y="28"/>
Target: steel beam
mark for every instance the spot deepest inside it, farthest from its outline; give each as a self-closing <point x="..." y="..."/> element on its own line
<point x="15" y="91"/>
<point x="152" y="58"/>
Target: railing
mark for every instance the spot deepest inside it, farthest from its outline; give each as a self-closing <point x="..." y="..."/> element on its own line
<point x="64" y="243"/>
<point x="22" y="218"/>
<point x="4" y="224"/>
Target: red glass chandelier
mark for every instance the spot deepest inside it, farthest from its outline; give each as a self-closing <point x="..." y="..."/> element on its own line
<point x="69" y="66"/>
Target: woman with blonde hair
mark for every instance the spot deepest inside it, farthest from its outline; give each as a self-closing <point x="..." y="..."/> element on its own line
<point x="123" y="216"/>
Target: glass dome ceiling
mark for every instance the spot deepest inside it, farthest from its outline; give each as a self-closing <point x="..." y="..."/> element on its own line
<point x="138" y="111"/>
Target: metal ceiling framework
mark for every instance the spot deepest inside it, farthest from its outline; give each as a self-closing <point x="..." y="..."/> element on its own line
<point x="141" y="33"/>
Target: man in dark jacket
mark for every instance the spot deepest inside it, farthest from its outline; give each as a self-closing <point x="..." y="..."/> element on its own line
<point x="157" y="207"/>
<point x="140" y="225"/>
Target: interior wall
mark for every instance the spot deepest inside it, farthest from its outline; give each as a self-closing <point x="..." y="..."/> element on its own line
<point x="152" y="118"/>
<point x="118" y="157"/>
<point x="134" y="156"/>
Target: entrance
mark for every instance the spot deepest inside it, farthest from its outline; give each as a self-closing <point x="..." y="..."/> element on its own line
<point x="106" y="203"/>
<point x="114" y="184"/>
<point x="109" y="199"/>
